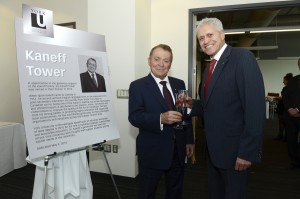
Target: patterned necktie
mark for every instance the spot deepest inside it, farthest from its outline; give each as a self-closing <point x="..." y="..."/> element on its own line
<point x="94" y="80"/>
<point x="208" y="76"/>
<point x="167" y="96"/>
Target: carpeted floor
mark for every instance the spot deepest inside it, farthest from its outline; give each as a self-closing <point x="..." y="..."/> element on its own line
<point x="272" y="179"/>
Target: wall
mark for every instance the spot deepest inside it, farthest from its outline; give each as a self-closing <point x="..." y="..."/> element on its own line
<point x="128" y="41"/>
<point x="10" y="103"/>
<point x="274" y="70"/>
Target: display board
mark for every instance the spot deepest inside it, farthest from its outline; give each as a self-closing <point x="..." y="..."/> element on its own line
<point x="62" y="110"/>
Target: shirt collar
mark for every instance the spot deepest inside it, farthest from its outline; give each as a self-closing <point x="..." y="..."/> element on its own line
<point x="218" y="55"/>
<point x="92" y="73"/>
<point x="157" y="80"/>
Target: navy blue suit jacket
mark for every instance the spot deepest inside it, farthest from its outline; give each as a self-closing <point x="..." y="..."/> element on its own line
<point x="234" y="110"/>
<point x="292" y="97"/>
<point x="155" y="147"/>
<point x="87" y="84"/>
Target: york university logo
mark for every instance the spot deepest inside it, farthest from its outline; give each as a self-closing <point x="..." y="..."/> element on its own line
<point x="37" y="20"/>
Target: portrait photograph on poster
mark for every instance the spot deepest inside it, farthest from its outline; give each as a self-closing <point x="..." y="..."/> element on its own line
<point x="91" y="75"/>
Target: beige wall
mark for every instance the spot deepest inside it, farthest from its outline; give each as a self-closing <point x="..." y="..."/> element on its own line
<point x="117" y="21"/>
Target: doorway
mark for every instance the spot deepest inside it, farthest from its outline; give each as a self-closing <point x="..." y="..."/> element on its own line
<point x="247" y="18"/>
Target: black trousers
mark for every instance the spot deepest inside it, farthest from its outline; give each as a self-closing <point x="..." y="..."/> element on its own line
<point x="292" y="131"/>
<point x="226" y="183"/>
<point x="148" y="180"/>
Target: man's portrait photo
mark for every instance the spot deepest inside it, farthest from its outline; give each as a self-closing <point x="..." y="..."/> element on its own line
<point x="91" y="81"/>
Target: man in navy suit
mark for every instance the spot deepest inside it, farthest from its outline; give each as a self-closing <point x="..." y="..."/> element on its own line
<point x="90" y="80"/>
<point x="233" y="108"/>
<point x="291" y="101"/>
<point x="161" y="149"/>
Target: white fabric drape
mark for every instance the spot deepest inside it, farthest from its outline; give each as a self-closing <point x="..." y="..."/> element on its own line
<point x="68" y="177"/>
<point x="12" y="147"/>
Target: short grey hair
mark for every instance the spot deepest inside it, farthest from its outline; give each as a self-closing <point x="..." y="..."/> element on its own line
<point x="211" y="21"/>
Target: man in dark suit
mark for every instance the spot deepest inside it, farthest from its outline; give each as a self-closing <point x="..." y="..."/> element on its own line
<point x="161" y="149"/>
<point x="233" y="108"/>
<point x="90" y="80"/>
<point x="281" y="111"/>
<point x="292" y="106"/>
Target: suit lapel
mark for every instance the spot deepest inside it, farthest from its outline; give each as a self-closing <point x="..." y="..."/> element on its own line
<point x="174" y="87"/>
<point x="217" y="72"/>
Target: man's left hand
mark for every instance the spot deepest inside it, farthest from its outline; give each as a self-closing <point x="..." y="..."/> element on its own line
<point x="241" y="165"/>
<point x="293" y="112"/>
<point x="190" y="150"/>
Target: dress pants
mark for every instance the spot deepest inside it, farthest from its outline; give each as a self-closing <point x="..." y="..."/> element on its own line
<point x="292" y="131"/>
<point x="149" y="178"/>
<point x="226" y="183"/>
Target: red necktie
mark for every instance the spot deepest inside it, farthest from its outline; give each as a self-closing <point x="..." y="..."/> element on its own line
<point x="208" y="76"/>
<point x="167" y="96"/>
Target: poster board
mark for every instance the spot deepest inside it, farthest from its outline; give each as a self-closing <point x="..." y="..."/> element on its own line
<point x="58" y="114"/>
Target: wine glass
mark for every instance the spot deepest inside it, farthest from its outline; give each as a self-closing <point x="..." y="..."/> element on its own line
<point x="180" y="106"/>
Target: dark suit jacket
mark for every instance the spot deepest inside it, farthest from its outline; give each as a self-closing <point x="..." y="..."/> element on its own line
<point x="87" y="84"/>
<point x="291" y="98"/>
<point x="234" y="110"/>
<point x="155" y="147"/>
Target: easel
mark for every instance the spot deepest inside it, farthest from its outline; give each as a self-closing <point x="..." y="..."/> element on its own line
<point x="46" y="160"/>
<point x="99" y="147"/>
<point x="96" y="147"/>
